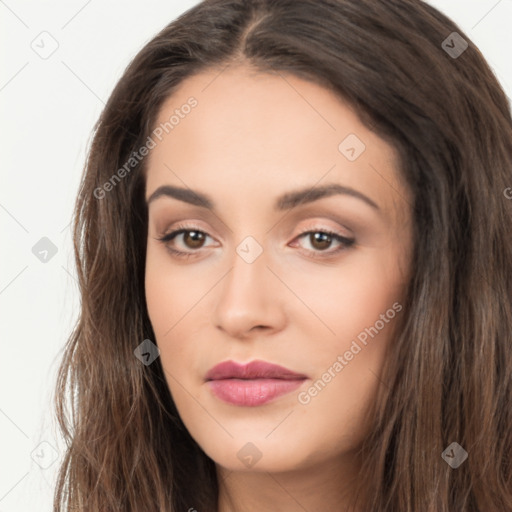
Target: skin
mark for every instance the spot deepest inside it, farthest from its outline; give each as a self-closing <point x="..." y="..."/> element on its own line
<point x="251" y="138"/>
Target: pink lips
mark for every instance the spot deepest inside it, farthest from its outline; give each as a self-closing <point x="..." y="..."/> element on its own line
<point x="252" y="384"/>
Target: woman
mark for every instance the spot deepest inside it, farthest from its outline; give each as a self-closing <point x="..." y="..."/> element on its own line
<point x="294" y="253"/>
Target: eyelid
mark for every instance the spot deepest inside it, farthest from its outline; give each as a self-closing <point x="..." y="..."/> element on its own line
<point x="319" y="225"/>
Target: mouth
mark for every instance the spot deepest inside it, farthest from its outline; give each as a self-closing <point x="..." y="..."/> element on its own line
<point x="252" y="384"/>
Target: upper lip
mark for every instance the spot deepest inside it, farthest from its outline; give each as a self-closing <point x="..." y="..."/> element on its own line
<point x="253" y="370"/>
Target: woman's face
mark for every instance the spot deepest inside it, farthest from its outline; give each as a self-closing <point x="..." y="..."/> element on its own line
<point x="253" y="163"/>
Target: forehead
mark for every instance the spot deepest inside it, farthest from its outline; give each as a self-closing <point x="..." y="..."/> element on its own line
<point x="259" y="130"/>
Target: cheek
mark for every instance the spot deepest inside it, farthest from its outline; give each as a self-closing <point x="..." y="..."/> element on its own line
<point x="177" y="312"/>
<point x="363" y="308"/>
<point x="166" y="299"/>
<point x="172" y="291"/>
<point x="345" y="378"/>
<point x="346" y="301"/>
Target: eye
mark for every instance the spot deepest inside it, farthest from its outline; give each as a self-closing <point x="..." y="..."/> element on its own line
<point x="190" y="237"/>
<point x="321" y="240"/>
<point x="193" y="239"/>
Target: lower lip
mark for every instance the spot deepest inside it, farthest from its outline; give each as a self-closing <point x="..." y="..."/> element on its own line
<point x="253" y="392"/>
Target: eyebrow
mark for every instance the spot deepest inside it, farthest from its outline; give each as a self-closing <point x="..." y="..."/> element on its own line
<point x="286" y="201"/>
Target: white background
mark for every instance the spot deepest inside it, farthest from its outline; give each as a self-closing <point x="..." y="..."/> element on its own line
<point x="48" y="108"/>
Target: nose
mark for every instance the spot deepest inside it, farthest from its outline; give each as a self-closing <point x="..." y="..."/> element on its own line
<point x="251" y="299"/>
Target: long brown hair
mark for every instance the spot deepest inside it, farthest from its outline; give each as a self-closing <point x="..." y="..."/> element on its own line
<point x="448" y="376"/>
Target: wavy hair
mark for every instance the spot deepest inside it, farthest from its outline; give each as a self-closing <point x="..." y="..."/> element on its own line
<point x="449" y="371"/>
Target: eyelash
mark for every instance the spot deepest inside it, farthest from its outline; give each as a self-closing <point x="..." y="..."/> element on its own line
<point x="346" y="243"/>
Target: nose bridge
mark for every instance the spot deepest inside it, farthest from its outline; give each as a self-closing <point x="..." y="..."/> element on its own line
<point x="247" y="278"/>
<point x="245" y="299"/>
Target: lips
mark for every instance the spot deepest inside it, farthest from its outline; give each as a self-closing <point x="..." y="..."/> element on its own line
<point x="252" y="384"/>
<point x="252" y="370"/>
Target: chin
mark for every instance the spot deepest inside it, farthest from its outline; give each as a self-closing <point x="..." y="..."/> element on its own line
<point x="260" y="455"/>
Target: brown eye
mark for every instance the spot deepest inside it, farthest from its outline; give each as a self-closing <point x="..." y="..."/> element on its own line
<point x="320" y="241"/>
<point x="186" y="242"/>
<point x="193" y="239"/>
